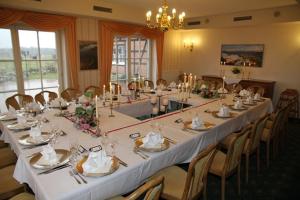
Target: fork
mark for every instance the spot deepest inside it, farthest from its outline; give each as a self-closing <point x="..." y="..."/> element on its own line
<point x="73" y="175"/>
<point x="76" y="173"/>
<point x="138" y="153"/>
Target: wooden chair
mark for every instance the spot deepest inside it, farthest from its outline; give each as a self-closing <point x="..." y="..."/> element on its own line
<point x="115" y="88"/>
<point x="9" y="187"/>
<point x="270" y="132"/>
<point x="183" y="185"/>
<point x="23" y="196"/>
<point x="257" y="89"/>
<point x="40" y="97"/>
<point x="23" y="100"/>
<point x="3" y="144"/>
<point x="70" y="93"/>
<point x="152" y="188"/>
<point x="95" y="90"/>
<point x="161" y="82"/>
<point x="225" y="164"/>
<point x="7" y="157"/>
<point x="150" y="83"/>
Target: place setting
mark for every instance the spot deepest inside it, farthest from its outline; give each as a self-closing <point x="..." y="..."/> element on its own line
<point x="22" y="123"/>
<point x="223" y="113"/>
<point x="238" y="105"/>
<point x="197" y="124"/>
<point x="10" y="115"/>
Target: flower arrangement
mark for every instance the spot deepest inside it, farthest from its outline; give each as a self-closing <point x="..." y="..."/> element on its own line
<point x="85" y="115"/>
<point x="236" y="70"/>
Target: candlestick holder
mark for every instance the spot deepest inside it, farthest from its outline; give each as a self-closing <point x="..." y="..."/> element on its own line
<point x="98" y="130"/>
<point x="111" y="104"/>
<point x="190" y="89"/>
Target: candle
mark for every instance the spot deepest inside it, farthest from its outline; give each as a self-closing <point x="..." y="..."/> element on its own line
<point x="103" y="94"/>
<point x="110" y="91"/>
<point x="155" y="111"/>
<point x="96" y="105"/>
<point x="195" y="81"/>
<point x="223" y="83"/>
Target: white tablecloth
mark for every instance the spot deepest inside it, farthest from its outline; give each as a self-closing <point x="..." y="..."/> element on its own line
<point x="60" y="185"/>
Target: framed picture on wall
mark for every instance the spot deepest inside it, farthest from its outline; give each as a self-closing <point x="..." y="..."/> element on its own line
<point x="242" y="54"/>
<point x="88" y="55"/>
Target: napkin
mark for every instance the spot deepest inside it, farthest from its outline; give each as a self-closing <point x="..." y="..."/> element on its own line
<point x="11" y="112"/>
<point x="97" y="162"/>
<point x="172" y="84"/>
<point x="33" y="107"/>
<point x="238" y="104"/>
<point x="83" y="99"/>
<point x="249" y="100"/>
<point x="257" y="96"/>
<point x="35" y="135"/>
<point x="197" y="123"/>
<point x="49" y="156"/>
<point x="58" y="102"/>
<point x="21" y="120"/>
<point x="224" y="111"/>
<point x="152" y="140"/>
<point x="222" y="90"/>
<point x="244" y="93"/>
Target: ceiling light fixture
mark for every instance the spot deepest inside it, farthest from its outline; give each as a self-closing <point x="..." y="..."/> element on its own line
<point x="163" y="21"/>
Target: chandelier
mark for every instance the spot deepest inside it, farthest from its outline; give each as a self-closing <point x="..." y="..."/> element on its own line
<point x="163" y="21"/>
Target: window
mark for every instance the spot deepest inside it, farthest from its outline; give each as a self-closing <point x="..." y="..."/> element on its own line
<point x="126" y="66"/>
<point x="30" y="67"/>
<point x="39" y="61"/>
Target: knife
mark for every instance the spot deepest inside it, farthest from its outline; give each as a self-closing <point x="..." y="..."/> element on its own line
<point x="54" y="169"/>
<point x="121" y="162"/>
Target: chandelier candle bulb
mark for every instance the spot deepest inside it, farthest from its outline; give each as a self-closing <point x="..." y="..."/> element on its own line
<point x="103" y="92"/>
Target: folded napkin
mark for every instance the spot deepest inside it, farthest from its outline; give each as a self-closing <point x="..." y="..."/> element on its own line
<point x="97" y="162"/>
<point x="33" y="107"/>
<point x="49" y="156"/>
<point x="224" y="111"/>
<point x="244" y="93"/>
<point x="222" y="90"/>
<point x="21" y="120"/>
<point x="249" y="100"/>
<point x="197" y="123"/>
<point x="152" y="140"/>
<point x="172" y="84"/>
<point x="257" y="96"/>
<point x="11" y="112"/>
<point x="83" y="99"/>
<point x="35" y="135"/>
<point x="58" y="102"/>
<point x="238" y="104"/>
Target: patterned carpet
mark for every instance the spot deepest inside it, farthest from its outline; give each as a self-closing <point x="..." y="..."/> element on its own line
<point x="279" y="182"/>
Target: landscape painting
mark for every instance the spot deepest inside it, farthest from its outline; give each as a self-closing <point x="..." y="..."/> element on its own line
<point x="88" y="55"/>
<point x="242" y="55"/>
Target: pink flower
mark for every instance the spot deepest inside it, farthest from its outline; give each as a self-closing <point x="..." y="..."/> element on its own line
<point x="85" y="126"/>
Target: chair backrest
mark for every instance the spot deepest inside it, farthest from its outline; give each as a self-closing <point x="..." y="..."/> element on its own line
<point x="234" y="87"/>
<point x="23" y="100"/>
<point x="275" y="118"/>
<point x="40" y="97"/>
<point x="161" y="82"/>
<point x="115" y="88"/>
<point x="256" y="132"/>
<point x="70" y="93"/>
<point x="152" y="189"/>
<point x="95" y="90"/>
<point x="197" y="173"/>
<point x="150" y="83"/>
<point x="257" y="89"/>
<point x="235" y="149"/>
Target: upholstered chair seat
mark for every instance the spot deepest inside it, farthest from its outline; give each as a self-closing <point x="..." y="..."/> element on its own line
<point x="9" y="187"/>
<point x="7" y="157"/>
<point x="23" y="196"/>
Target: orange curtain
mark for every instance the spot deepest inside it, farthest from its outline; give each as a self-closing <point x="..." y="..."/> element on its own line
<point x="107" y="31"/>
<point x="47" y="22"/>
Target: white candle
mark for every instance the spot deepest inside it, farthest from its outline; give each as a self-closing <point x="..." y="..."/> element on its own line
<point x="96" y="105"/>
<point x="195" y="81"/>
<point x="110" y="91"/>
<point x="103" y="94"/>
<point x="155" y="111"/>
<point x="223" y="82"/>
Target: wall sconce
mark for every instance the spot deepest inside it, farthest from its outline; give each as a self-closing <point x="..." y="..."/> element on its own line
<point x="189" y="45"/>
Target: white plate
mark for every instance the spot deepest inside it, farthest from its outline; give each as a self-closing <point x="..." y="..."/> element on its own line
<point x="62" y="155"/>
<point x="7" y="117"/>
<point x="28" y="141"/>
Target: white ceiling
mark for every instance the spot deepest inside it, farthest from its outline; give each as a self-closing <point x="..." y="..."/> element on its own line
<point x="197" y="8"/>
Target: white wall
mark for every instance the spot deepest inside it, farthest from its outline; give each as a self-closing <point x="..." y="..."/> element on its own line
<point x="281" y="55"/>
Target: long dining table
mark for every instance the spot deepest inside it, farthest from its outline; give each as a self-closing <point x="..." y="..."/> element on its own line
<point x="60" y="185"/>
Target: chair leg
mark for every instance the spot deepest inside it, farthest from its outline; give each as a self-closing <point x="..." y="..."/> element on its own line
<point x="268" y="153"/>
<point x="239" y="178"/>
<point x="258" y="159"/>
<point x="204" y="192"/>
<point x="223" y="188"/>
<point x="247" y="167"/>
